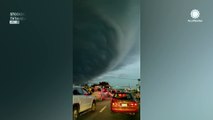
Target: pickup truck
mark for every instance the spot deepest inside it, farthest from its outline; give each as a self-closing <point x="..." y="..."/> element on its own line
<point x="82" y="101"/>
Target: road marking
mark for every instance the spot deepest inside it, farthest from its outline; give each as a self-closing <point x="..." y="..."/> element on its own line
<point x="103" y="108"/>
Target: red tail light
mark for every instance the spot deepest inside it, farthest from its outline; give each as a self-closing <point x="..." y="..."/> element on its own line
<point x="133" y="104"/>
<point x="114" y="102"/>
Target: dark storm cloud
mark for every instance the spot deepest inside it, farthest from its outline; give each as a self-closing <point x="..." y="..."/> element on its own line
<point x="132" y="56"/>
<point x="95" y="44"/>
<point x="97" y="39"/>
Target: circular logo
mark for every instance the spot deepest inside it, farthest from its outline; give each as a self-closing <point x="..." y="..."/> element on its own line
<point x="195" y="14"/>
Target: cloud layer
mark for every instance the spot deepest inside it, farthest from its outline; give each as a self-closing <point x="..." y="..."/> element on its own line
<point x="104" y="35"/>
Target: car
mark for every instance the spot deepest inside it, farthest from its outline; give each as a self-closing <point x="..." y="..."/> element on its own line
<point x="106" y="92"/>
<point x="98" y="94"/>
<point x="82" y="101"/>
<point x="112" y="92"/>
<point x="124" y="102"/>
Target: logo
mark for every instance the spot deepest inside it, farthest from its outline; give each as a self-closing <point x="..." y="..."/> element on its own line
<point x="16" y="17"/>
<point x="195" y="14"/>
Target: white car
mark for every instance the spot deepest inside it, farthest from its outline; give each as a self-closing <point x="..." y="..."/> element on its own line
<point x="82" y="101"/>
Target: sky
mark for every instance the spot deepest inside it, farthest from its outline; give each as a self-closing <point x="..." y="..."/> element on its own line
<point x="123" y="77"/>
<point x="106" y="41"/>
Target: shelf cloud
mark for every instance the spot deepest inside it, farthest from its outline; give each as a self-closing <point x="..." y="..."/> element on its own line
<point x="106" y="36"/>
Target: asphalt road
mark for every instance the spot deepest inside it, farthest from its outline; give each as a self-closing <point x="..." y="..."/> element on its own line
<point x="103" y="113"/>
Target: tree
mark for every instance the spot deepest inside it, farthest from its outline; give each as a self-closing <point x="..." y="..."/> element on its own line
<point x="104" y="84"/>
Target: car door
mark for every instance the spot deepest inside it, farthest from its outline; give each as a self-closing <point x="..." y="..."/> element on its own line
<point x="88" y="99"/>
<point x="81" y="98"/>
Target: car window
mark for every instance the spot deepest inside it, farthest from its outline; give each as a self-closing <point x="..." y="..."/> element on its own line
<point x="77" y="91"/>
<point x="123" y="96"/>
<point x="85" y="92"/>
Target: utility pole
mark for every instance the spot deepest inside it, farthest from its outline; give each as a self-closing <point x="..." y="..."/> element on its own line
<point x="139" y="83"/>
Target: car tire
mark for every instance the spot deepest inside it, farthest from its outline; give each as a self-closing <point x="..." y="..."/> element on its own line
<point x="93" y="107"/>
<point x="75" y="113"/>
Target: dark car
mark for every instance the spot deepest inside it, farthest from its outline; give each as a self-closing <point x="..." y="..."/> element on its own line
<point x="124" y="102"/>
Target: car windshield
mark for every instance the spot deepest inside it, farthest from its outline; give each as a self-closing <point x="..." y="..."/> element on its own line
<point x="123" y="96"/>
